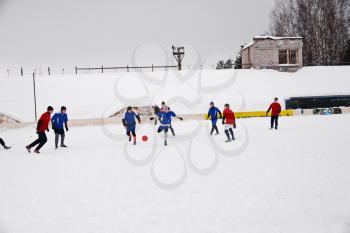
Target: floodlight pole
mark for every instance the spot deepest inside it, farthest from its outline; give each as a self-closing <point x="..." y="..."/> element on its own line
<point x="178" y="53"/>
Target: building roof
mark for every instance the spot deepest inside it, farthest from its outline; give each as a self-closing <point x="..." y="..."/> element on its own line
<point x="264" y="37"/>
<point x="278" y="38"/>
<point x="247" y="45"/>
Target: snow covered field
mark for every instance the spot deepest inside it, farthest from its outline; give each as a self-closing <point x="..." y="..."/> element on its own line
<point x="292" y="180"/>
<point x="96" y="95"/>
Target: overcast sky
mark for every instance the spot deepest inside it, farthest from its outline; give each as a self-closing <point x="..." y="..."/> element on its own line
<point x="65" y="33"/>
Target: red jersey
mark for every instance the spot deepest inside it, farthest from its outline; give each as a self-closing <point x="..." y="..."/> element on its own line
<point x="275" y="109"/>
<point x="43" y="123"/>
<point x="229" y="116"/>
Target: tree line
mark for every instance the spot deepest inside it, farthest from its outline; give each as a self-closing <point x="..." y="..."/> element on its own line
<point x="323" y="24"/>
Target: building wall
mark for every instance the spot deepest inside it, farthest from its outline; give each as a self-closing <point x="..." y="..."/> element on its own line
<point x="265" y="58"/>
<point x="246" y="62"/>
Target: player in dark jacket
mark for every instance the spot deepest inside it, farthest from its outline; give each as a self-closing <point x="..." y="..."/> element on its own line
<point x="156" y="110"/>
<point x="59" y="122"/>
<point x="213" y="115"/>
<point x="2" y="143"/>
<point x="42" y="126"/>
<point x="275" y="109"/>
<point x="129" y="123"/>
<point x="165" y="117"/>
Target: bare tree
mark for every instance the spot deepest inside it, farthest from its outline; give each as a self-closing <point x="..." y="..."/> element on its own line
<point x="284" y="18"/>
<point x="322" y="24"/>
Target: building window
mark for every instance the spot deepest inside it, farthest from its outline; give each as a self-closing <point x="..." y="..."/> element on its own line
<point x="283" y="57"/>
<point x="292" y="57"/>
<point x="288" y="56"/>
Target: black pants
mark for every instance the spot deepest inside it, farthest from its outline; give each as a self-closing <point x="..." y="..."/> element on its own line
<point x="214" y="127"/>
<point x="165" y="129"/>
<point x="42" y="139"/>
<point x="2" y="142"/>
<point x="228" y="132"/>
<point x="274" y="121"/>
<point x="129" y="132"/>
<point x="58" y="133"/>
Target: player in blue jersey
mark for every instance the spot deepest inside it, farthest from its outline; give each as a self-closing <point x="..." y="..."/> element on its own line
<point x="162" y="109"/>
<point x="59" y="122"/>
<point x="213" y="116"/>
<point x="129" y="122"/>
<point x="165" y="121"/>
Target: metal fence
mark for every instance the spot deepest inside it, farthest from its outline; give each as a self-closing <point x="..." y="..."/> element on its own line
<point x="126" y="68"/>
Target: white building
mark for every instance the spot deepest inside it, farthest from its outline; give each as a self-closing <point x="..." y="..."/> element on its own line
<point x="269" y="52"/>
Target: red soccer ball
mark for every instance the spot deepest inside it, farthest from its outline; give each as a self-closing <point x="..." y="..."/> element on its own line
<point x="144" y="138"/>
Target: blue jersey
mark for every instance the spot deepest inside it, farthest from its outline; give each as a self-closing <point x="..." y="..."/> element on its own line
<point x="213" y="113"/>
<point x="129" y="118"/>
<point x="59" y="119"/>
<point x="165" y="117"/>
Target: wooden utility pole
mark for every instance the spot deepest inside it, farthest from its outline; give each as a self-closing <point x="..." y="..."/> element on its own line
<point x="178" y="53"/>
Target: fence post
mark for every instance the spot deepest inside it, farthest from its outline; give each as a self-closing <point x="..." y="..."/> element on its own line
<point x="76" y="70"/>
<point x="102" y="69"/>
<point x="127" y="68"/>
<point x="48" y="70"/>
<point x="22" y="71"/>
<point x="152" y="68"/>
<point x="62" y="71"/>
<point x="35" y="112"/>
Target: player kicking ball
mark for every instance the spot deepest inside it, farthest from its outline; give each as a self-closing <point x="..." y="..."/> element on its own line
<point x="129" y="122"/>
<point x="165" y="121"/>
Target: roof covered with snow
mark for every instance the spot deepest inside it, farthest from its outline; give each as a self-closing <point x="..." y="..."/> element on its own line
<point x="247" y="45"/>
<point x="277" y="38"/>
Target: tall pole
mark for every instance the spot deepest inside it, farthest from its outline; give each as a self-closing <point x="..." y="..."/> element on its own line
<point x="36" y="115"/>
<point x="178" y="53"/>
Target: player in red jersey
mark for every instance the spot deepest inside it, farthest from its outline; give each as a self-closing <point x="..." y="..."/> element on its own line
<point x="42" y="126"/>
<point x="229" y="121"/>
<point x="275" y="109"/>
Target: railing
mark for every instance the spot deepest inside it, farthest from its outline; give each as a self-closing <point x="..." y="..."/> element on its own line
<point x="127" y="68"/>
<point x="61" y="71"/>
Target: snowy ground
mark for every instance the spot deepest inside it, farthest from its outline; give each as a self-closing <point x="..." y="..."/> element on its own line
<point x="292" y="180"/>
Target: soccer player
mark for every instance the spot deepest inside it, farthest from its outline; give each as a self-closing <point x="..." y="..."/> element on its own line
<point x="229" y="121"/>
<point x="59" y="122"/>
<point x="162" y="109"/>
<point x="213" y="115"/>
<point x="165" y="122"/>
<point x="156" y="110"/>
<point x="129" y="123"/>
<point x="42" y="126"/>
<point x="275" y="109"/>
